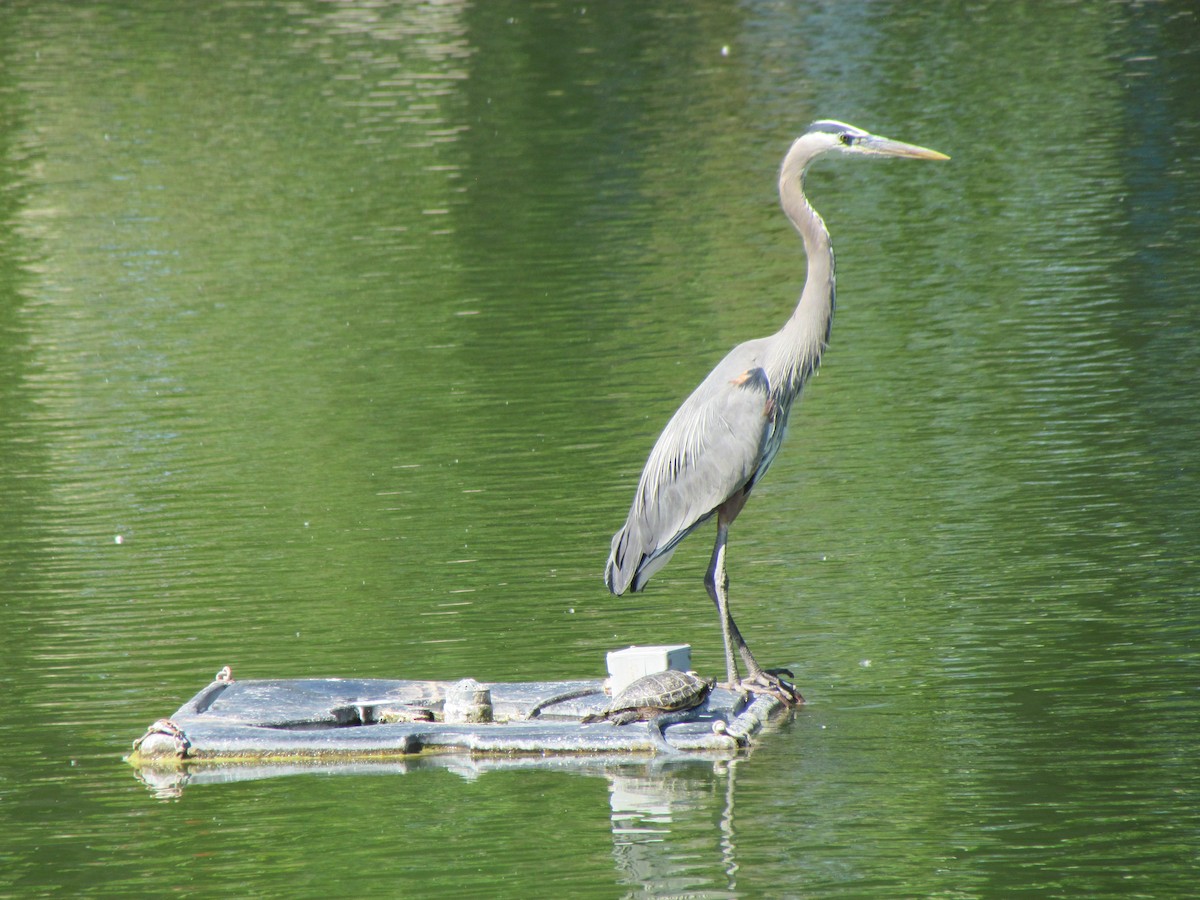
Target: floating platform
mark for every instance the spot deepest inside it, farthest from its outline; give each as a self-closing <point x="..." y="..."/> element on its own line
<point x="333" y="720"/>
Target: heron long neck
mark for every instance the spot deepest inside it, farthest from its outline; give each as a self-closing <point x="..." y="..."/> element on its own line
<point x="799" y="344"/>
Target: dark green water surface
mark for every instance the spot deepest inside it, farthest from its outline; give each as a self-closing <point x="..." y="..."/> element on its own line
<point x="333" y="337"/>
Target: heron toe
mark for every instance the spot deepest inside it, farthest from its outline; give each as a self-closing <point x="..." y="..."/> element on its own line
<point x="768" y="682"/>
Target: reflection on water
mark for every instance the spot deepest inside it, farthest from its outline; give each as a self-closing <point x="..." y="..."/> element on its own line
<point x="355" y="323"/>
<point x="647" y="810"/>
<point x="662" y="810"/>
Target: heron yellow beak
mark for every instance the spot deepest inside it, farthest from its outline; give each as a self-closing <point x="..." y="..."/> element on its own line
<point x="881" y="146"/>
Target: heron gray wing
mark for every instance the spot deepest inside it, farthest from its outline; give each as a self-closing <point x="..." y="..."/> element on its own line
<point x="711" y="448"/>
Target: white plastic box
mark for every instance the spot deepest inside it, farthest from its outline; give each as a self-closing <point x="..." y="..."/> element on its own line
<point x="630" y="664"/>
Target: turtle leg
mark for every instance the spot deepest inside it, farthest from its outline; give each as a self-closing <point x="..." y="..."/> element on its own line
<point x="562" y="698"/>
<point x="658" y="723"/>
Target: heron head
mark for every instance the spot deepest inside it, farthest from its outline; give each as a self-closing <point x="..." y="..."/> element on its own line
<point x="829" y="134"/>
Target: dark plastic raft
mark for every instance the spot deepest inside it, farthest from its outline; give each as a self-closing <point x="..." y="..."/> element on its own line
<point x="346" y="720"/>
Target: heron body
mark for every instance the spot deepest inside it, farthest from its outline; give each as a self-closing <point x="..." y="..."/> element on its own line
<point x="725" y="435"/>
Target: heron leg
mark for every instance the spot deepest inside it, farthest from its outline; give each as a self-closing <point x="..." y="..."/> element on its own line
<point x="716" y="580"/>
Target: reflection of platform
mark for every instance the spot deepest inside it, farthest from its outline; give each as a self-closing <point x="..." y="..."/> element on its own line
<point x="336" y="720"/>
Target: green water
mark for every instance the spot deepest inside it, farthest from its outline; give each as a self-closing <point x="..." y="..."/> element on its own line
<point x="333" y="337"/>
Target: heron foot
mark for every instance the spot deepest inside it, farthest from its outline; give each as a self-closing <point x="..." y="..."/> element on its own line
<point x="768" y="681"/>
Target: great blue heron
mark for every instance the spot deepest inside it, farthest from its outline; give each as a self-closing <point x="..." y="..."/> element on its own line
<point x="723" y="437"/>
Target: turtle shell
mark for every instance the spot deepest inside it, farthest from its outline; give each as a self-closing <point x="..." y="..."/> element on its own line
<point x="656" y="693"/>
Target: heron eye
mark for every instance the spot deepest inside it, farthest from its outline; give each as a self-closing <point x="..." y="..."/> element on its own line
<point x="846" y="139"/>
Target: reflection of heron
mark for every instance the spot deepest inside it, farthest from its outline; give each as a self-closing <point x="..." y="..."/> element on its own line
<point x="664" y="842"/>
<point x="722" y="439"/>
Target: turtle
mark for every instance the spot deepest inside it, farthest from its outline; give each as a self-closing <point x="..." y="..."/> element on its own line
<point x="651" y="696"/>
